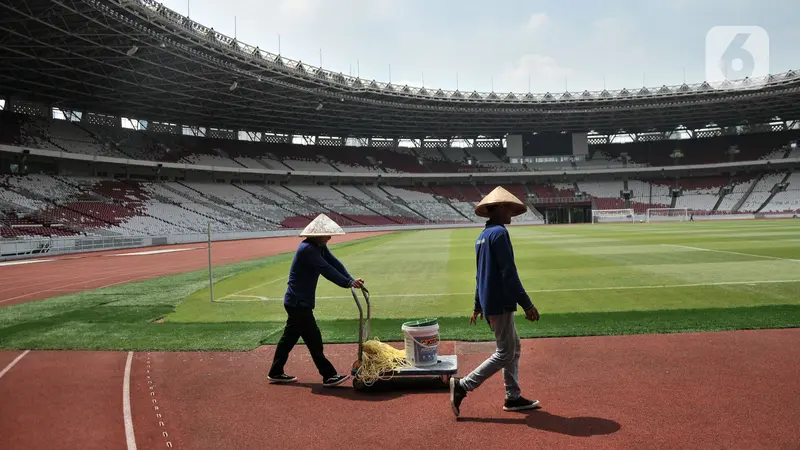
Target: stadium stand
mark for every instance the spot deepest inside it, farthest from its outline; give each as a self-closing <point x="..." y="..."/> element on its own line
<point x="96" y="206"/>
<point x="47" y="205"/>
<point x="787" y="201"/>
<point x="761" y="192"/>
<point x="40" y="205"/>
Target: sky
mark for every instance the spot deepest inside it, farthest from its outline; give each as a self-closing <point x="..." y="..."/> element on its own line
<point x="504" y="45"/>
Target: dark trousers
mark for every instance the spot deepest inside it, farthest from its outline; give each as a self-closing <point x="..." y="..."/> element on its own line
<point x="301" y="323"/>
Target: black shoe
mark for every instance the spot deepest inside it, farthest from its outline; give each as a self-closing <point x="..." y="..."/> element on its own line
<point x="282" y="378"/>
<point x="521" y="404"/>
<point x="335" y="380"/>
<point x="457" y="394"/>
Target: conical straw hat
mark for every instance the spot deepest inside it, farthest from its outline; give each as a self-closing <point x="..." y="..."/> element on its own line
<point x="500" y="196"/>
<point x="322" y="225"/>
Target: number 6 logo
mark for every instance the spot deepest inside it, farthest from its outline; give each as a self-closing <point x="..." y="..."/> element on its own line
<point x="736" y="53"/>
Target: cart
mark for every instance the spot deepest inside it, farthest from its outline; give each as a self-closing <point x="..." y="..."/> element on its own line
<point x="445" y="367"/>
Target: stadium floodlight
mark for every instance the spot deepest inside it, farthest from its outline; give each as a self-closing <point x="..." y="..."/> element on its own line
<point x="613" y="215"/>
<point x="667" y="214"/>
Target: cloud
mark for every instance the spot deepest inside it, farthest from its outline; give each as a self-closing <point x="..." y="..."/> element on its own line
<point x="537" y="21"/>
<point x="538" y="68"/>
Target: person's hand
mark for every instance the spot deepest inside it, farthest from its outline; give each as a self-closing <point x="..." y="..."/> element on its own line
<point x="474" y="318"/>
<point x="358" y="283"/>
<point x="532" y="314"/>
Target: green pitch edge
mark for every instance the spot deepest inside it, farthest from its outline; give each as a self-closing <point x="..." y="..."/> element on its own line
<point x="103" y="327"/>
<point x="125" y="317"/>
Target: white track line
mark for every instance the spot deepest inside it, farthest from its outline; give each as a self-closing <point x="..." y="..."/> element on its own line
<point x="11" y="364"/>
<point x="24" y="261"/>
<point x="602" y="288"/>
<point x="126" y="404"/>
<point x="156" y="252"/>
<point x="729" y="252"/>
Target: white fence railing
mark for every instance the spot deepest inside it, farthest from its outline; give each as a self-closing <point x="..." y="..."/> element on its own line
<point x="35" y="247"/>
<point x="26" y="248"/>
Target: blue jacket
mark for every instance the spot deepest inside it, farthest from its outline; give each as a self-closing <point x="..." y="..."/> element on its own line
<point x="498" y="288"/>
<point x="310" y="261"/>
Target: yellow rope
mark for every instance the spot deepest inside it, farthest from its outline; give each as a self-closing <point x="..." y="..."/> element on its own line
<point x="379" y="359"/>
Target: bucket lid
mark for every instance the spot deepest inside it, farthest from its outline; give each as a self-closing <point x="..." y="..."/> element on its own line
<point x="421" y="323"/>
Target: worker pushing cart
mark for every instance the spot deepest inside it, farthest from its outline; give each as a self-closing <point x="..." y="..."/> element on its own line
<point x="497" y="294"/>
<point x="312" y="259"/>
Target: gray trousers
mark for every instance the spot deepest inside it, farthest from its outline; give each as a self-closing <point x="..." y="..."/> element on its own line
<point x="505" y="358"/>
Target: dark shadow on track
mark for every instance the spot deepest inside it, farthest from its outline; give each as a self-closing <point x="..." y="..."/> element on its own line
<point x="545" y="421"/>
<point x="382" y="390"/>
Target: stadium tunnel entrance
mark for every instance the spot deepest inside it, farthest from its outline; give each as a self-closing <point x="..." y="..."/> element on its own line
<point x="561" y="212"/>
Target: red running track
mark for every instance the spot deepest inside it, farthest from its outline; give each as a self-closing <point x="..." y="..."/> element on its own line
<point x="695" y="390"/>
<point x="66" y="274"/>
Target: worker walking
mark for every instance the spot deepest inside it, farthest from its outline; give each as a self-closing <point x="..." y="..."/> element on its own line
<point x="312" y="259"/>
<point x="497" y="294"/>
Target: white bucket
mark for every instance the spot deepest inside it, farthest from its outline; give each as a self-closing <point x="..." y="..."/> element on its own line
<point x="422" y="342"/>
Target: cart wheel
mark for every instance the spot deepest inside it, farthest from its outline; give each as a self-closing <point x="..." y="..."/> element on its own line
<point x="358" y="384"/>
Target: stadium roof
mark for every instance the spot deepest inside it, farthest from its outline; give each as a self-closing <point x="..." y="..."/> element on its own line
<point x="138" y="59"/>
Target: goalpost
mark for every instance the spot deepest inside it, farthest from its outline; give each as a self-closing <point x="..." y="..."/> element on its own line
<point x="613" y="215"/>
<point x="667" y="214"/>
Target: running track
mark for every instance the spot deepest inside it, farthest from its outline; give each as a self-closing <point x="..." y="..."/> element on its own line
<point x="65" y="274"/>
<point x="693" y="390"/>
<point x="711" y="390"/>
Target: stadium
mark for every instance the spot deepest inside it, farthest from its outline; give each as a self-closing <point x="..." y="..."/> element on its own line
<point x="155" y="175"/>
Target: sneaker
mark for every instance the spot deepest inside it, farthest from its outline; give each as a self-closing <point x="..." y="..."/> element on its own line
<point x="520" y="404"/>
<point x="282" y="378"/>
<point x="457" y="394"/>
<point x="335" y="380"/>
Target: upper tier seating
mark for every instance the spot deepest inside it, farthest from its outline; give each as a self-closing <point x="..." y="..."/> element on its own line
<point x="93" y="139"/>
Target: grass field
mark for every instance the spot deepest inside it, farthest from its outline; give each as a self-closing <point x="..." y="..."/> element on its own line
<point x="585" y="280"/>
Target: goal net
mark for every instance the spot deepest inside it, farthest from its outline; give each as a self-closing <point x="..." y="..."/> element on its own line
<point x="613" y="215"/>
<point x="667" y="214"/>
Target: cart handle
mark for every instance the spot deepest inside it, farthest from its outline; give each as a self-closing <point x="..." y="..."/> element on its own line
<point x="362" y="334"/>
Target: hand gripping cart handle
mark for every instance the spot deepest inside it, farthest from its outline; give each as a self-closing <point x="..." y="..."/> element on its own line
<point x="446" y="366"/>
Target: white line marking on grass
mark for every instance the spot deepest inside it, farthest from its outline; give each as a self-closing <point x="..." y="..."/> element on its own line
<point x="126" y="404"/>
<point x="285" y="277"/>
<point x="729" y="252"/>
<point x="236" y="294"/>
<point x="250" y="296"/>
<point x="11" y="364"/>
<point x="539" y="291"/>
